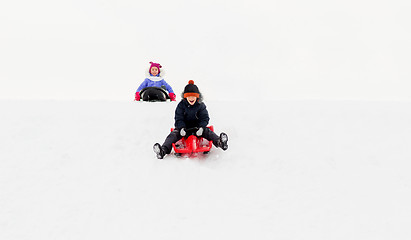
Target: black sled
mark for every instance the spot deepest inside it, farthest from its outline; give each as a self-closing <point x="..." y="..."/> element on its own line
<point x="154" y="94"/>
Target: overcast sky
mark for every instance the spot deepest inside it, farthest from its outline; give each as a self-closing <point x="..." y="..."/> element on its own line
<point x="89" y="49"/>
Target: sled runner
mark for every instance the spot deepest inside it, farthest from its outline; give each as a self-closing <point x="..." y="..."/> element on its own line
<point x="154" y="94"/>
<point x="191" y="144"/>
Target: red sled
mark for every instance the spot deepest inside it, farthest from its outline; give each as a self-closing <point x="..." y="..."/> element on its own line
<point x="192" y="144"/>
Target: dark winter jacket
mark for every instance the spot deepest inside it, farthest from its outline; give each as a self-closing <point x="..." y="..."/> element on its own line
<point x="189" y="116"/>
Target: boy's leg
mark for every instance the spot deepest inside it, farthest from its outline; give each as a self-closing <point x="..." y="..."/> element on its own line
<point x="218" y="141"/>
<point x="210" y="136"/>
<point x="173" y="137"/>
<point x="223" y="141"/>
<point x="159" y="151"/>
<point x="162" y="150"/>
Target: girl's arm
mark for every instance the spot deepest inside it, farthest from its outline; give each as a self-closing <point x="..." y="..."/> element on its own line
<point x="168" y="87"/>
<point x="142" y="85"/>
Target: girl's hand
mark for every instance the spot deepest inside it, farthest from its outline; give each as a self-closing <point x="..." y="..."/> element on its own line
<point x="172" y="96"/>
<point x="137" y="97"/>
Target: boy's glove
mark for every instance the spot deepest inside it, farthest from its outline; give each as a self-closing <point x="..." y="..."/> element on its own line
<point x="137" y="98"/>
<point x="172" y="96"/>
<point x="199" y="132"/>
<point x="183" y="132"/>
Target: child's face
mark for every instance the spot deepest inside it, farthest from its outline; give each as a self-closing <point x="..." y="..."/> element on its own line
<point x="154" y="71"/>
<point x="191" y="100"/>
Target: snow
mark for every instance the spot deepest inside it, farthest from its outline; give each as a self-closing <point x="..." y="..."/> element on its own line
<point x="314" y="96"/>
<point x="293" y="170"/>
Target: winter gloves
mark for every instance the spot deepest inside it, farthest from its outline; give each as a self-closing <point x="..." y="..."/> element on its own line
<point x="137" y="97"/>
<point x="199" y="132"/>
<point x="172" y="96"/>
<point x="183" y="132"/>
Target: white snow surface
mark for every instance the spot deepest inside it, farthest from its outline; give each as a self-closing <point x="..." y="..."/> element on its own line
<point x="293" y="170"/>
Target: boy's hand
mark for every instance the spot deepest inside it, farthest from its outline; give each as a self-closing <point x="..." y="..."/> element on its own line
<point x="172" y="96"/>
<point x="137" y="97"/>
<point x="199" y="132"/>
<point x="183" y="132"/>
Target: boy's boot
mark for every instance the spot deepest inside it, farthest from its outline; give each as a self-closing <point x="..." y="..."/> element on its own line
<point x="222" y="142"/>
<point x="159" y="151"/>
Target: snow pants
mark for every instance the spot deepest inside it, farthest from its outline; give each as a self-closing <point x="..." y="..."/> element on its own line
<point x="174" y="136"/>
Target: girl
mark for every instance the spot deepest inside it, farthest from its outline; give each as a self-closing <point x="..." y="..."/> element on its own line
<point x="190" y="112"/>
<point x="155" y="78"/>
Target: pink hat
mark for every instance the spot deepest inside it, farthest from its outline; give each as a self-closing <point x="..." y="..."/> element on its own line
<point x="157" y="65"/>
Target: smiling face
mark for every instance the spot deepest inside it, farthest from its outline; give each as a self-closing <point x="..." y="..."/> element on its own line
<point x="191" y="100"/>
<point x="154" y="71"/>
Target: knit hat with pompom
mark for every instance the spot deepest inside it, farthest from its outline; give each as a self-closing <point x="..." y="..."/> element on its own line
<point x="157" y="65"/>
<point x="191" y="90"/>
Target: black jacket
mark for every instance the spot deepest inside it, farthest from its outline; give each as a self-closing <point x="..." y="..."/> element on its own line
<point x="189" y="116"/>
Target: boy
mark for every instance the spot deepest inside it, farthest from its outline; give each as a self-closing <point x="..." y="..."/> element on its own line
<point x="190" y="112"/>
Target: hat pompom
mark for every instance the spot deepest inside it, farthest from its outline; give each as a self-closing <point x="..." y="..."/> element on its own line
<point x="191" y="90"/>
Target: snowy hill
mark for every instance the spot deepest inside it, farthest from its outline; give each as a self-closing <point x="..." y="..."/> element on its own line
<point x="322" y="154"/>
<point x="293" y="170"/>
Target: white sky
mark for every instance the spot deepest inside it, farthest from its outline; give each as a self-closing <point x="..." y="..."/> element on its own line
<point x="233" y="49"/>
